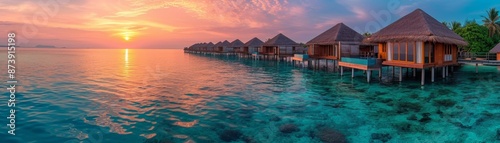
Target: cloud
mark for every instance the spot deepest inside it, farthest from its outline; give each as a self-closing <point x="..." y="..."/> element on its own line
<point x="179" y="22"/>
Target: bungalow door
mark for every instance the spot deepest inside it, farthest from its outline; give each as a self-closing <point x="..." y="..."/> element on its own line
<point x="429" y="53"/>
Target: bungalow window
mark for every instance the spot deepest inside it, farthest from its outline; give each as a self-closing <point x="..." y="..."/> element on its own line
<point x="411" y="51"/>
<point x="448" y="52"/>
<point x="403" y="51"/>
<point x="395" y="51"/>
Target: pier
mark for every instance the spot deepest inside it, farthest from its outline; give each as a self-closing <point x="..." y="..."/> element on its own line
<point x="417" y="43"/>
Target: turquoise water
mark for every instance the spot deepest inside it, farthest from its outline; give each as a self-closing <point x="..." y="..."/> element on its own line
<point x="154" y="95"/>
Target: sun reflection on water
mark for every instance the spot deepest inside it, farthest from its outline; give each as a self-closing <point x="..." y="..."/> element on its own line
<point x="126" y="57"/>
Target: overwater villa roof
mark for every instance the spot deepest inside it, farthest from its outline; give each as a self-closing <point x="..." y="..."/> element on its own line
<point x="194" y="45"/>
<point x="209" y="44"/>
<point x="417" y="26"/>
<point x="253" y="42"/>
<point x="338" y="33"/>
<point x="496" y="49"/>
<point x="217" y="44"/>
<point x="225" y="44"/>
<point x="280" y="40"/>
<point x="237" y="43"/>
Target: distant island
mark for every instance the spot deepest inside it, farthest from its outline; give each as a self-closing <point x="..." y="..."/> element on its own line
<point x="45" y="46"/>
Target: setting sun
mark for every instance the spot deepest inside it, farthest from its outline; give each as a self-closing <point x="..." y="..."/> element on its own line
<point x="126" y="38"/>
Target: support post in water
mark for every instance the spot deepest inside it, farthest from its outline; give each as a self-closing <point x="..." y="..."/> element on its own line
<point x="423" y="77"/>
<point x="352" y="74"/>
<point x="432" y="77"/>
<point x="341" y="70"/>
<point x="368" y="75"/>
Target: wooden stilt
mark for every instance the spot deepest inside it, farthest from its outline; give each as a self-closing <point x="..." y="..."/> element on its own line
<point x="423" y="77"/>
<point x="352" y="72"/>
<point x="341" y="70"/>
<point x="368" y="75"/>
<point x="442" y="70"/>
<point x="392" y="71"/>
<point x="476" y="68"/>
<point x="432" y="72"/>
<point x="380" y="73"/>
<point x="414" y="71"/>
<point x="400" y="74"/>
<point x="447" y="73"/>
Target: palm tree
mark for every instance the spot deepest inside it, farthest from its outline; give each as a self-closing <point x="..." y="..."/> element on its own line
<point x="491" y="22"/>
<point x="446" y="24"/>
<point x="455" y="25"/>
<point x="367" y="34"/>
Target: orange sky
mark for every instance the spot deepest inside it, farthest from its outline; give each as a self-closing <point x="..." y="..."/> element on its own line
<point x="180" y="23"/>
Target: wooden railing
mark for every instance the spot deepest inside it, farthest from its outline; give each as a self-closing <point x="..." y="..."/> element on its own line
<point x="476" y="56"/>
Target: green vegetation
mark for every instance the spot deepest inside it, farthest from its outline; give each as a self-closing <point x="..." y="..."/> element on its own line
<point x="477" y="37"/>
<point x="491" y="22"/>
<point x="481" y="38"/>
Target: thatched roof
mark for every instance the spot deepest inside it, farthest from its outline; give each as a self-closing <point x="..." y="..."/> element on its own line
<point x="417" y="26"/>
<point x="210" y="44"/>
<point x="201" y="45"/>
<point x="255" y="42"/>
<point x="237" y="43"/>
<point x="496" y="49"/>
<point x="217" y="44"/>
<point x="339" y="32"/>
<point x="279" y="40"/>
<point x="225" y="44"/>
<point x="194" y="45"/>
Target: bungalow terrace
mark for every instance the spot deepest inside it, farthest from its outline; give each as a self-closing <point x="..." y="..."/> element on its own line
<point x="279" y="45"/>
<point x="418" y="41"/>
<point x="252" y="46"/>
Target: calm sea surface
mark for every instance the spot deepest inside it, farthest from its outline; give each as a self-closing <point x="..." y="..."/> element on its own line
<point x="158" y="95"/>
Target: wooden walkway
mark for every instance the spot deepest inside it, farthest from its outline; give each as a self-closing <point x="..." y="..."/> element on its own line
<point x="482" y="62"/>
<point x="483" y="58"/>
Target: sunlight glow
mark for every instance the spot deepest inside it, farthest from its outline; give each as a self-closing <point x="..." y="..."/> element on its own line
<point x="127" y="35"/>
<point x="126" y="57"/>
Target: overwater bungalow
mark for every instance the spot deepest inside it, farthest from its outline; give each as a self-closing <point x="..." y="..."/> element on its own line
<point x="496" y="50"/>
<point x="326" y="45"/>
<point x="237" y="46"/>
<point x="252" y="46"/>
<point x="418" y="41"/>
<point x="279" y="46"/>
<point x="225" y="47"/>
<point x="216" y="47"/>
<point x="339" y="41"/>
<point x="201" y="46"/>
<point x="209" y="47"/>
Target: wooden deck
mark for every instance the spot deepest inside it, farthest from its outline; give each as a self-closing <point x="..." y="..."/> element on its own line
<point x="357" y="66"/>
<point x="324" y="57"/>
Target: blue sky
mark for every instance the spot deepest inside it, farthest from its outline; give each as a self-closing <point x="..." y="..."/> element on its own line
<point x="180" y="23"/>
